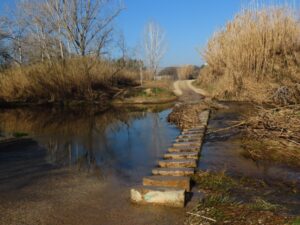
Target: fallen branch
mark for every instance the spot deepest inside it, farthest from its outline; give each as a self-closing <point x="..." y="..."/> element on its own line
<point x="228" y="128"/>
<point x="204" y="217"/>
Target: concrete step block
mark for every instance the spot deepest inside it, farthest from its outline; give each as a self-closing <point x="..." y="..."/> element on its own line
<point x="195" y="132"/>
<point x="173" y="171"/>
<point x="184" y="149"/>
<point x="191" y="136"/>
<point x="184" y="144"/>
<point x="189" y="139"/>
<point x="168" y="181"/>
<point x="204" y="117"/>
<point x="180" y="163"/>
<point x="200" y="129"/>
<point x="182" y="155"/>
<point x="173" y="197"/>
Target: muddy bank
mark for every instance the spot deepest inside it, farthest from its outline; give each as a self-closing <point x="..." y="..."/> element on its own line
<point x="237" y="189"/>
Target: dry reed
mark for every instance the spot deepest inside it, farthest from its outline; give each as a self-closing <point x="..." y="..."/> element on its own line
<point x="73" y="79"/>
<point x="254" y="55"/>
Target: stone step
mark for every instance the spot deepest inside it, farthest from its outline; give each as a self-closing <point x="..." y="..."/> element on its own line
<point x="178" y="163"/>
<point x="173" y="171"/>
<point x="204" y="117"/>
<point x="202" y="128"/>
<point x="174" y="197"/>
<point x="185" y="136"/>
<point x="184" y="144"/>
<point x="168" y="181"/>
<point x="182" y="155"/>
<point x="184" y="149"/>
<point x="178" y="140"/>
<point x="192" y="132"/>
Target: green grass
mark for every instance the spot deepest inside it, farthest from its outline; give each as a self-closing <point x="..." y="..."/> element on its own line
<point x="296" y="221"/>
<point x="262" y="205"/>
<point x="217" y="199"/>
<point x="215" y="181"/>
<point x="19" y="134"/>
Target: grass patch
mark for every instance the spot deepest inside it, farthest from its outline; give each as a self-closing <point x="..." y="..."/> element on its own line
<point x="262" y="205"/>
<point x="217" y="199"/>
<point x="19" y="134"/>
<point x="214" y="181"/>
<point x="295" y="221"/>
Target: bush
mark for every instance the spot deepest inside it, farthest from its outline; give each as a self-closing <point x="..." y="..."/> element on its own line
<point x="254" y="55"/>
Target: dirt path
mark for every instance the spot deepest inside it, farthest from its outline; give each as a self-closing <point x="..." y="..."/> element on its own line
<point x="187" y="92"/>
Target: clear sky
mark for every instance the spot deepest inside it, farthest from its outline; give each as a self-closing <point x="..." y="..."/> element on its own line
<point x="188" y="23"/>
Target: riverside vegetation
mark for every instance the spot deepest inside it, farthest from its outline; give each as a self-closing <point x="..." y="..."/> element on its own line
<point x="255" y="58"/>
<point x="68" y="52"/>
<point x="262" y="67"/>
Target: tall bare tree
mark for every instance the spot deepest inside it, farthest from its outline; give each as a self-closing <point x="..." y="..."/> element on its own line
<point x="154" y="46"/>
<point x="85" y="24"/>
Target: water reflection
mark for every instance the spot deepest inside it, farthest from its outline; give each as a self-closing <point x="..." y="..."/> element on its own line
<point x="118" y="142"/>
<point x="222" y="151"/>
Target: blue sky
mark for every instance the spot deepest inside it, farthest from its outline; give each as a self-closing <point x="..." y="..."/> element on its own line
<point x="188" y="23"/>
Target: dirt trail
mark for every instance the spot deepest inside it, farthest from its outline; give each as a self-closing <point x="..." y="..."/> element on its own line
<point x="187" y="92"/>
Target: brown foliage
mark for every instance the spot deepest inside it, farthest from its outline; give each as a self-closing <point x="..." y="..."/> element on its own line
<point x="254" y="55"/>
<point x="74" y="79"/>
<point x="274" y="134"/>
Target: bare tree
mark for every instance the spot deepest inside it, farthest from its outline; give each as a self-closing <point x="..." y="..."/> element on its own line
<point x="154" y="46"/>
<point x="85" y="25"/>
<point x="47" y="29"/>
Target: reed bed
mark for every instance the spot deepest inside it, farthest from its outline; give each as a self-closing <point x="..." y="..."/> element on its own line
<point x="74" y="79"/>
<point x="254" y="56"/>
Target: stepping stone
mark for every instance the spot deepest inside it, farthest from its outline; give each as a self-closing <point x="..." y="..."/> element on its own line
<point x="191" y="132"/>
<point x="182" y="155"/>
<point x="184" y="149"/>
<point x="184" y="144"/>
<point x="173" y="197"/>
<point x="188" y="140"/>
<point x="173" y="171"/>
<point x="173" y="163"/>
<point x="204" y="117"/>
<point x="191" y="136"/>
<point x="168" y="181"/>
<point x="202" y="128"/>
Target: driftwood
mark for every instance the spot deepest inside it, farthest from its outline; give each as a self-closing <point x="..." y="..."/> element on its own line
<point x="280" y="123"/>
<point x="228" y="128"/>
<point x="204" y="217"/>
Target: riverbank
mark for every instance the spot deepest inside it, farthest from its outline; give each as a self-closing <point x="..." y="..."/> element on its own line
<point x="236" y="189"/>
<point x="151" y="92"/>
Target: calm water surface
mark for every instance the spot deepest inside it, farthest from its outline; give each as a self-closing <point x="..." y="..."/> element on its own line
<point x="118" y="142"/>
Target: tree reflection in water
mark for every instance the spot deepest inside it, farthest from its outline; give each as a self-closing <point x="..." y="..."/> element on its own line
<point x="122" y="140"/>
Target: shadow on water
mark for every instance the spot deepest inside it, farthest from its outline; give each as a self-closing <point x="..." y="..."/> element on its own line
<point x="120" y="142"/>
<point x="223" y="150"/>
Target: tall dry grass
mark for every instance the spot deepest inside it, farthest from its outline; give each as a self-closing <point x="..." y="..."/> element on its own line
<point x="73" y="79"/>
<point x="255" y="55"/>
